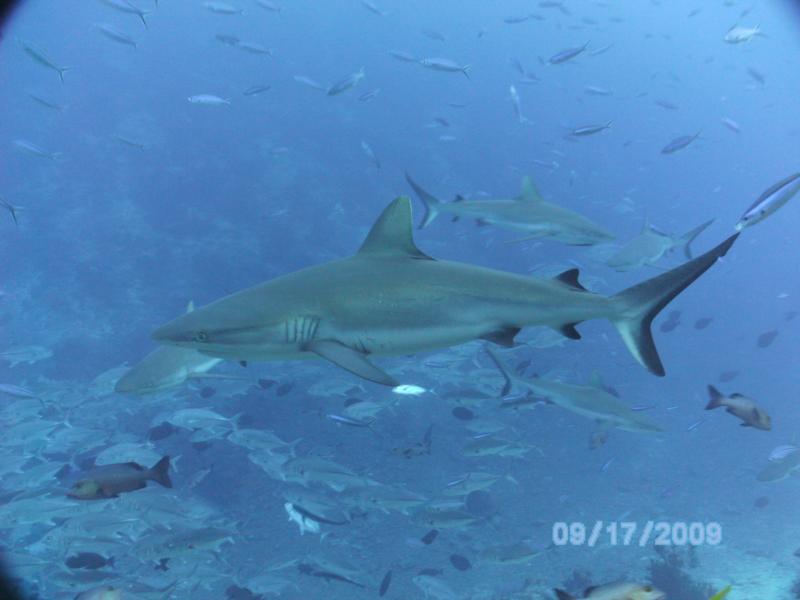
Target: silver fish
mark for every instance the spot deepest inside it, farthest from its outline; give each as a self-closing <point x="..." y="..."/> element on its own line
<point x="770" y="201"/>
<point x="590" y="129"/>
<point x="371" y="155"/>
<point x="567" y="55"/>
<point x="128" y="7"/>
<point x="208" y="99"/>
<point x="32" y="148"/>
<point x="445" y="64"/>
<point x="346" y="83"/>
<point x="679" y="143"/>
<point x="40" y="57"/>
<point x="312" y="83"/>
<point x="115" y="34"/>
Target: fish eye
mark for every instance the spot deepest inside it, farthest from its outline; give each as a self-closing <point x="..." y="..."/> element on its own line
<point x="201" y="336"/>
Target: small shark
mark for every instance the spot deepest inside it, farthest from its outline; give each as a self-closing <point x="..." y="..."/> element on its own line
<point x="592" y="401"/>
<point x="528" y="213"/>
<point x="390" y="298"/>
<point x="651" y="245"/>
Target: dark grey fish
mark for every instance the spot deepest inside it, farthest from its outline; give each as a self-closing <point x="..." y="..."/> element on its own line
<point x="430" y="537"/>
<point x="566" y="55"/>
<point x="679" y="143"/>
<point x="726" y="376"/>
<point x="284" y="388"/>
<point x="257" y="89"/>
<point x="230" y="40"/>
<point x="742" y="407"/>
<point x="703" y="323"/>
<point x="755" y="74"/>
<point x="372" y="8"/>
<point x="433" y="34"/>
<point x="108" y="481"/>
<point x="385" y="582"/>
<point x="765" y="339"/>
<point x="88" y="560"/>
<point x="463" y="413"/>
<point x="460" y="562"/>
<point x="516" y="19"/>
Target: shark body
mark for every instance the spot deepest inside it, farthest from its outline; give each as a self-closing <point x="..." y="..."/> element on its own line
<point x="392" y="299"/>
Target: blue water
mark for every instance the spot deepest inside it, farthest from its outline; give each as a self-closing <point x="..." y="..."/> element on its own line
<point x="114" y="240"/>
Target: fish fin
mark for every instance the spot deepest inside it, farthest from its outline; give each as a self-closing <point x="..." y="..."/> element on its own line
<point x="736" y="395"/>
<point x="745" y="425"/>
<point x="687" y="238"/>
<point x="716" y="398"/>
<point x="638" y="305"/>
<point x="458" y="198"/>
<point x="160" y="472"/>
<point x="502" y="337"/>
<point x="569" y="331"/>
<point x="529" y="192"/>
<point x="391" y="234"/>
<point x="509" y="383"/>
<point x="595" y="380"/>
<point x="570" y="278"/>
<point x="190" y="307"/>
<point x="588" y="591"/>
<point x="562" y="595"/>
<point x="243" y="363"/>
<point x="431" y="203"/>
<point x="350" y="360"/>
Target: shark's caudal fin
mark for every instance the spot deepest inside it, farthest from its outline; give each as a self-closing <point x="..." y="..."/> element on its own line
<point x="687" y="238"/>
<point x="431" y="203"/>
<point x="509" y="384"/>
<point x="639" y="304"/>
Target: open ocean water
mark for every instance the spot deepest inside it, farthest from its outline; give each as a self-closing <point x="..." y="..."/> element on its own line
<point x="447" y="410"/>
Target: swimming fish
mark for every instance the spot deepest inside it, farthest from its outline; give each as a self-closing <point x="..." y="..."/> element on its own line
<point x="109" y="481"/>
<point x="770" y="201"/>
<point x="741" y="407"/>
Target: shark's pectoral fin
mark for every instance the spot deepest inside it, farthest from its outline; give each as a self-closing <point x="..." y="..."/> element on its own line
<point x="350" y="360"/>
<point x="568" y="330"/>
<point x="502" y="337"/>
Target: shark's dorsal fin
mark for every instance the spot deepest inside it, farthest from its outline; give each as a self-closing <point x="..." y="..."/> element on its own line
<point x="570" y="278"/>
<point x="595" y="380"/>
<point x="529" y="192"/>
<point x="646" y="224"/>
<point x="391" y="234"/>
<point x="190" y="307"/>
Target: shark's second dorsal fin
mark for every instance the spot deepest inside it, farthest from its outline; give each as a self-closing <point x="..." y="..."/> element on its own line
<point x="596" y="380"/>
<point x="529" y="192"/>
<point x="570" y="278"/>
<point x="391" y="234"/>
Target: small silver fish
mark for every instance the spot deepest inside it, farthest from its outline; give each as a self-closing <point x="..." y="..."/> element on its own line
<point x="346" y="83"/>
<point x="312" y="83"/>
<point x="771" y="200"/>
<point x="590" y="129"/>
<point x="567" y="55"/>
<point x="115" y="34"/>
<point x="679" y="143"/>
<point x="208" y="99"/>
<point x="446" y="65"/>
<point x="370" y="154"/>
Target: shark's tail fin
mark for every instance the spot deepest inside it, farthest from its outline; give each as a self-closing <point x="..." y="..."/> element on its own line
<point x="638" y="305"/>
<point x="687" y="238"/>
<point x="432" y="204"/>
<point x="509" y="381"/>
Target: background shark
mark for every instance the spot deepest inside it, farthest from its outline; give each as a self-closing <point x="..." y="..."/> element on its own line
<point x="651" y="245"/>
<point x="528" y="212"/>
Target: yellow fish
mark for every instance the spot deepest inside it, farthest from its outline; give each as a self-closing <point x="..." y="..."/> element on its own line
<point x="721" y="594"/>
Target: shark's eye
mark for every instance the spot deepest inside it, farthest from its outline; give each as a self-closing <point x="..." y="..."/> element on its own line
<point x="201" y="336"/>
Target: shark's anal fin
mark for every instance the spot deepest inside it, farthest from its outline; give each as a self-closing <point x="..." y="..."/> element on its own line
<point x="507" y="376"/>
<point x="568" y="330"/>
<point x="502" y="337"/>
<point x="350" y="360"/>
<point x="570" y="278"/>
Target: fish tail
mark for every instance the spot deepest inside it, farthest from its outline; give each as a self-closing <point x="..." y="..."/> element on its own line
<point x="715" y="398"/>
<point x="61" y="72"/>
<point x="142" y="15"/>
<point x="687" y="238"/>
<point x="160" y="472"/>
<point x="562" y="595"/>
<point x="638" y="305"/>
<point x="509" y="381"/>
<point x="431" y="203"/>
<point x="465" y="71"/>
